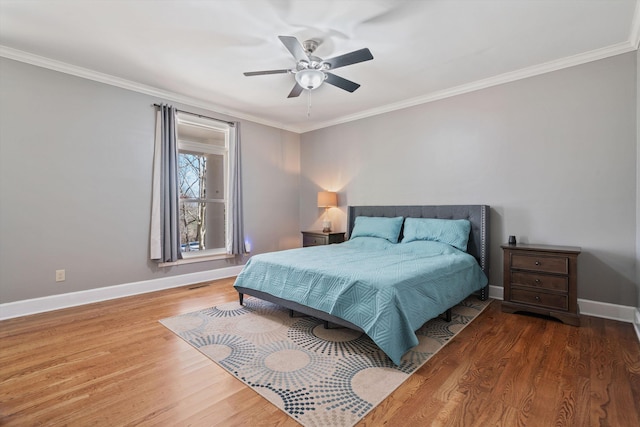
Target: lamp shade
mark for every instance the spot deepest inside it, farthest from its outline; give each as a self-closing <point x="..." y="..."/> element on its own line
<point x="327" y="199"/>
<point x="310" y="78"/>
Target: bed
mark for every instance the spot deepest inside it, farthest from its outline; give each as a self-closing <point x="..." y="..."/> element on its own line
<point x="371" y="283"/>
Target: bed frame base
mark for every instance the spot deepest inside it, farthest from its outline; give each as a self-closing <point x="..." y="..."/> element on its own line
<point x="296" y="307"/>
<point x="304" y="311"/>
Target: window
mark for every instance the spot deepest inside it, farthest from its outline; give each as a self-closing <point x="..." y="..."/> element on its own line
<point x="203" y="170"/>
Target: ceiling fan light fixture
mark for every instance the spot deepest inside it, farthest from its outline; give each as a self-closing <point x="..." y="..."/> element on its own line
<point x="310" y="79"/>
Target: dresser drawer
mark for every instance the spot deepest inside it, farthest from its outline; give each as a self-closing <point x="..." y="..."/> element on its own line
<point x="548" y="264"/>
<point x="539" y="299"/>
<point x="314" y="240"/>
<point x="542" y="281"/>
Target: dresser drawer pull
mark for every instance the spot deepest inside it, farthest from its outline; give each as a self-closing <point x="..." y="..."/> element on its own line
<point x="537" y="298"/>
<point x="537" y="262"/>
<point x="538" y="281"/>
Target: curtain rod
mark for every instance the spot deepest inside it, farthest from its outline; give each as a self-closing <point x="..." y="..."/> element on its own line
<point x="201" y="116"/>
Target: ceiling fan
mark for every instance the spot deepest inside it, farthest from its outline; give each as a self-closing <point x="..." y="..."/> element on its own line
<point x="310" y="71"/>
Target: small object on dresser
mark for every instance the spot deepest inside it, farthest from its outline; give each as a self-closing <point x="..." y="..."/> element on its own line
<point x="512" y="240"/>
<point x="318" y="238"/>
<point x="542" y="279"/>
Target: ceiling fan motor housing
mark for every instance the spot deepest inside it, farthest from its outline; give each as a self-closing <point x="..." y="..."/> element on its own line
<point x="310" y="46"/>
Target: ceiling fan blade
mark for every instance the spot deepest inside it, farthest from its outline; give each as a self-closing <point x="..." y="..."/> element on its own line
<point x="349" y="58"/>
<point x="261" y="73"/>
<point x="341" y="82"/>
<point x="296" y="91"/>
<point x="293" y="45"/>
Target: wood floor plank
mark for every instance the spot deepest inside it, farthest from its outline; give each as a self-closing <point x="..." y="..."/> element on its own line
<point x="113" y="363"/>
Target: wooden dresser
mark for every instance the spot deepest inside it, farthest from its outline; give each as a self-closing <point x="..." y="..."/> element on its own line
<point x="542" y="279"/>
<point x="319" y="237"/>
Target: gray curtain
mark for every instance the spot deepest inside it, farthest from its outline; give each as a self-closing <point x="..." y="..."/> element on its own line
<point x="235" y="242"/>
<point x="165" y="229"/>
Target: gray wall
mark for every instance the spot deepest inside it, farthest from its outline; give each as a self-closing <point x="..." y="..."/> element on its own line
<point x="75" y="184"/>
<point x="554" y="155"/>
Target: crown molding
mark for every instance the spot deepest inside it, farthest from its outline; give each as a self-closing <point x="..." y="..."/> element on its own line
<point x="583" y="58"/>
<point x="63" y="67"/>
<point x="509" y="77"/>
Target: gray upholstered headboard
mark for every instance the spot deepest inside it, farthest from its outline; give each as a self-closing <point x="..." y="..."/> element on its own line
<point x="478" y="215"/>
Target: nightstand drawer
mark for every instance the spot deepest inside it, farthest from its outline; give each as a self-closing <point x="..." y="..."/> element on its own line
<point x="542" y="281"/>
<point x="319" y="238"/>
<point x="548" y="264"/>
<point x="539" y="299"/>
<point x="314" y="240"/>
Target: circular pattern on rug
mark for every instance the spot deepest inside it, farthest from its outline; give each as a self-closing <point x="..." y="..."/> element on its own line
<point x="287" y="360"/>
<point x="465" y="314"/>
<point x="217" y="352"/>
<point x="295" y="402"/>
<point x="427" y="346"/>
<point x="338" y="392"/>
<point x="310" y="334"/>
<point x="230" y="351"/>
<point x="438" y="329"/>
<point x="286" y="365"/>
<point x="455" y="327"/>
<point x="230" y="309"/>
<point x="260" y="322"/>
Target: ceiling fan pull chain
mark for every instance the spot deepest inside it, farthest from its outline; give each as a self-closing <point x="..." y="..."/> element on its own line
<point x="308" y="103"/>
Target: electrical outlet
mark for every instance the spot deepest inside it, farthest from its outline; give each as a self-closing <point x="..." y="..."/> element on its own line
<point x="60" y="276"/>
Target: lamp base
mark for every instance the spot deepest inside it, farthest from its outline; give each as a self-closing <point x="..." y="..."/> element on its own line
<point x="326" y="226"/>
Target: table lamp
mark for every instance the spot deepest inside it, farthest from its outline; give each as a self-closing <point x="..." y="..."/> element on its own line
<point x="326" y="200"/>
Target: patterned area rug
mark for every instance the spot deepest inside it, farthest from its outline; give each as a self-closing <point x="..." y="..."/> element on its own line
<point x="318" y="376"/>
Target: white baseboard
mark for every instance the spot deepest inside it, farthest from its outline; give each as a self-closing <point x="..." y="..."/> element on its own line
<point x="604" y="310"/>
<point x="495" y="292"/>
<point x="56" y="302"/>
<point x="72" y="299"/>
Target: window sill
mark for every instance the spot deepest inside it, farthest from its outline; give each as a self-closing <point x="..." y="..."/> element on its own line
<point x="196" y="258"/>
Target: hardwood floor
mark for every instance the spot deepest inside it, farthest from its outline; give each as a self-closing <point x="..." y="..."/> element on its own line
<point x="113" y="363"/>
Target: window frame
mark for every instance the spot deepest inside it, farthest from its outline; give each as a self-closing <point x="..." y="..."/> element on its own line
<point x="193" y="147"/>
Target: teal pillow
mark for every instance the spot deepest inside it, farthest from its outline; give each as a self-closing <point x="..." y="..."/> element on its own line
<point x="454" y="232"/>
<point x="374" y="226"/>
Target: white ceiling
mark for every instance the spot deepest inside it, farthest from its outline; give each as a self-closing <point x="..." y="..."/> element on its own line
<point x="196" y="51"/>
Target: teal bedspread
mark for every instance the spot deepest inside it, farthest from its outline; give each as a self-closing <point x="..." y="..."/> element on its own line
<point x="389" y="290"/>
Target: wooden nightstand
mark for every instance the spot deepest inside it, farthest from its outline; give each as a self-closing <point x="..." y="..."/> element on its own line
<point x="317" y="238"/>
<point x="542" y="279"/>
